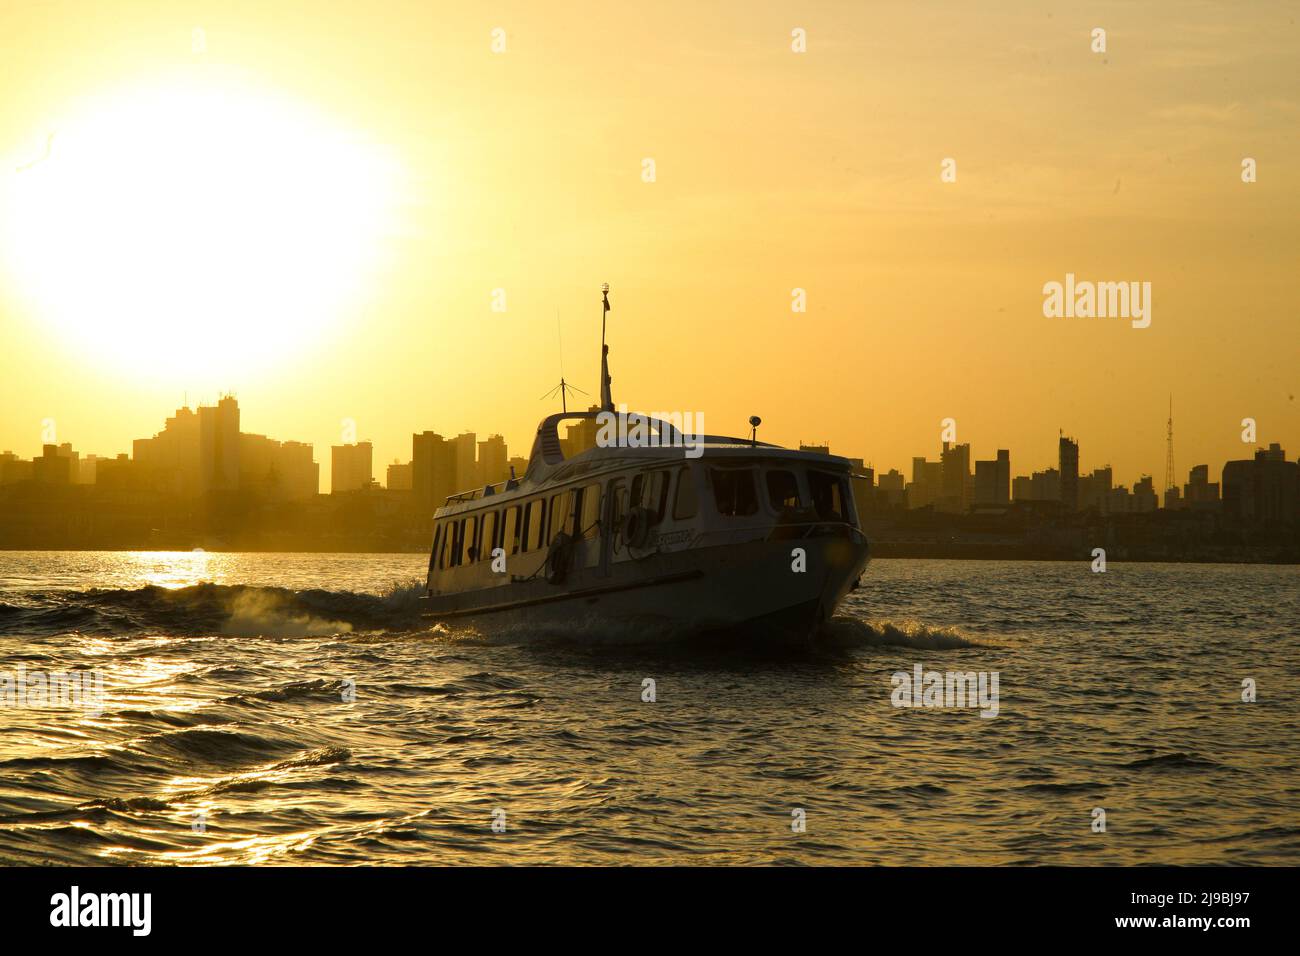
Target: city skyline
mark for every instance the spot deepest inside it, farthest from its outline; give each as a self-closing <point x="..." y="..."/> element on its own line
<point x="342" y="457"/>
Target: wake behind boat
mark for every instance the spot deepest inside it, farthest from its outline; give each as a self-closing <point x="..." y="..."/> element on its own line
<point x="673" y="534"/>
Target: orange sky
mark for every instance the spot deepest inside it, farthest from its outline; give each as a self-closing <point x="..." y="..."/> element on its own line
<point x="371" y="172"/>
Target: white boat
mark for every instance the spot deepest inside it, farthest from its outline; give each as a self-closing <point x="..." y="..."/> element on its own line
<point x="645" y="542"/>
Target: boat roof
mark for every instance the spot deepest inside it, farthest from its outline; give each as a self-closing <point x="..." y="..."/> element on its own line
<point x="548" y="466"/>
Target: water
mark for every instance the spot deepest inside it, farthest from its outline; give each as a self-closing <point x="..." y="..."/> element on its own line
<point x="225" y="738"/>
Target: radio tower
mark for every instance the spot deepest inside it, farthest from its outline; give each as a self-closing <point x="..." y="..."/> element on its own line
<point x="1169" y="449"/>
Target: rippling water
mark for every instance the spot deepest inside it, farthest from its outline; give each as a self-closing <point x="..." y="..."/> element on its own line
<point x="225" y="736"/>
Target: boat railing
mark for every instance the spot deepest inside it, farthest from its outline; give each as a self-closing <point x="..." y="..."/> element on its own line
<point x="486" y="491"/>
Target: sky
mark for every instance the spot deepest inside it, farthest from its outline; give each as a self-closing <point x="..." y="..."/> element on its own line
<point x="397" y="216"/>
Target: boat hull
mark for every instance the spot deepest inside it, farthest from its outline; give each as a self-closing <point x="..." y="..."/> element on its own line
<point x="756" y="590"/>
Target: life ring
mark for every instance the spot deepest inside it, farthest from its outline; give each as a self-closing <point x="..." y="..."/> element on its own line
<point x="557" y="558"/>
<point x="636" y="527"/>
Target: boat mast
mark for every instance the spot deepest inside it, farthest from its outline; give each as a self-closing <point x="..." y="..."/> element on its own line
<point x="606" y="399"/>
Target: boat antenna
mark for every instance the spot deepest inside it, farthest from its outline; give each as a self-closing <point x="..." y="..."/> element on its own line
<point x="606" y="399"/>
<point x="564" y="387"/>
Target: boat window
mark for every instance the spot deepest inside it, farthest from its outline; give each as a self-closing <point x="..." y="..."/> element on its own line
<point x="471" y="540"/>
<point x="534" y="524"/>
<point x="685" y="504"/>
<point x="590" y="505"/>
<point x="559" y="520"/>
<point x="618" y="504"/>
<point x="510" y="537"/>
<point x="654" y="494"/>
<point x="437" y="544"/>
<point x="733" y="491"/>
<point x="828" y="495"/>
<point x="490" y="522"/>
<point x="782" y="490"/>
<point x="444" y="544"/>
<point x="457" y="530"/>
<point x="468" y="550"/>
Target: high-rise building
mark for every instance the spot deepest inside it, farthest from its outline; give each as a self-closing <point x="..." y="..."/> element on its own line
<point x="54" y="467"/>
<point x="399" y="477"/>
<point x="926" y="486"/>
<point x="1201" y="494"/>
<point x="14" y="469"/>
<point x="195" y="453"/>
<point x="1043" y="486"/>
<point x="493" y="463"/>
<point x="351" y="467"/>
<point x="464" y="446"/>
<point x="219" y="446"/>
<point x="993" y="480"/>
<point x="169" y="462"/>
<point x="433" y="470"/>
<point x="1068" y="463"/>
<point x="955" y="476"/>
<point x="892" y="488"/>
<point x="1265" y="488"/>
<point x="580" y="435"/>
<point x="1144" y="495"/>
<point x="277" y="471"/>
<point x="1094" y="490"/>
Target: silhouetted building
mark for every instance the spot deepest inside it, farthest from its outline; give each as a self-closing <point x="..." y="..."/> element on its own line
<point x="892" y="488"/>
<point x="1068" y="463"/>
<point x="493" y="466"/>
<point x="993" y="480"/>
<point x="1119" y="501"/>
<point x="1144" y="495"/>
<point x="580" y="435"/>
<point x="14" y="469"/>
<point x="351" y="467"/>
<point x="926" y="486"/>
<point x="195" y="453"/>
<point x="219" y="446"/>
<point x="1094" y="490"/>
<point x="1040" y="486"/>
<point x="277" y="471"/>
<point x="54" y="467"/>
<point x="433" y="470"/>
<point x="86" y="470"/>
<point x="1262" y="489"/>
<point x="955" y="479"/>
<point x="400" y="477"/>
<point x="464" y="447"/>
<point x="1201" y="494"/>
<point x="116" y="474"/>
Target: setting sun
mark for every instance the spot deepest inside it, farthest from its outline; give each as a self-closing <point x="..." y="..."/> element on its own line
<point x="159" y="214"/>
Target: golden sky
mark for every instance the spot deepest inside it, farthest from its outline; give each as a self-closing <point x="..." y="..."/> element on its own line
<point x="310" y="204"/>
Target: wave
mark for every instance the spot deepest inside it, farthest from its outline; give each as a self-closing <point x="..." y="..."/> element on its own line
<point x="213" y="609"/>
<point x="1171" y="761"/>
<point x="849" y="632"/>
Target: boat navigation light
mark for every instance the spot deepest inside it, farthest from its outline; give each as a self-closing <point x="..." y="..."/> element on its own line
<point x="754" y="422"/>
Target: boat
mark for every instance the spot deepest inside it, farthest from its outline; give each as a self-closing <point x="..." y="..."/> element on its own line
<point x="652" y="532"/>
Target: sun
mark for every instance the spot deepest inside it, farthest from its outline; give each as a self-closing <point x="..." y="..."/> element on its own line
<point x="193" y="228"/>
